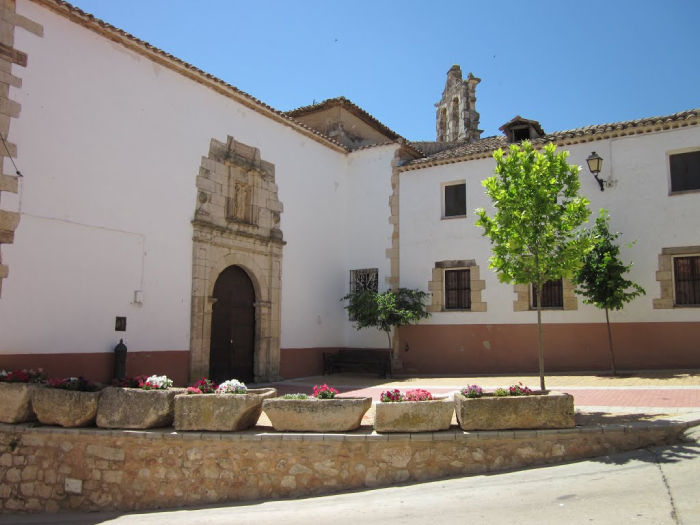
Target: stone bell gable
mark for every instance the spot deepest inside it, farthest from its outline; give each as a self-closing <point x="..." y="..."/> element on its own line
<point x="457" y="119"/>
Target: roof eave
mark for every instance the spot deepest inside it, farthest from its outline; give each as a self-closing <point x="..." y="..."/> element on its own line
<point x="563" y="141"/>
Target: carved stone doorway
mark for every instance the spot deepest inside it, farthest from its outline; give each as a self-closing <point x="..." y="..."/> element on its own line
<point x="236" y="224"/>
<point x="232" y="351"/>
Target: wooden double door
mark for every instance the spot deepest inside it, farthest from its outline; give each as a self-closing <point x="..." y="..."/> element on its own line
<point x="232" y="351"/>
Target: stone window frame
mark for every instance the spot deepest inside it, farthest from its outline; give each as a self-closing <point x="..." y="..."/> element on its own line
<point x="443" y="207"/>
<point x="523" y="302"/>
<point x="669" y="154"/>
<point x="665" y="277"/>
<point x="437" y="286"/>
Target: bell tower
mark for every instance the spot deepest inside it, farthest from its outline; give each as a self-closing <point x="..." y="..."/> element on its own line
<point x="457" y="119"/>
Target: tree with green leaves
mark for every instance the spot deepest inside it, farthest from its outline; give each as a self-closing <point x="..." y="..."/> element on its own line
<point x="601" y="278"/>
<point x="534" y="230"/>
<point x="386" y="310"/>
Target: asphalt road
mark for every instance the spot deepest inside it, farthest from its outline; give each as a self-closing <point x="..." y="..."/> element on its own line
<point x="651" y="486"/>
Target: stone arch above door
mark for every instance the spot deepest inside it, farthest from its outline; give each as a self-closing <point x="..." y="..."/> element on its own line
<point x="237" y="223"/>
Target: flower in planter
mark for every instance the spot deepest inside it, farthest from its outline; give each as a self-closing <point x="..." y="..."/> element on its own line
<point x="418" y="395"/>
<point x="26" y="375"/>
<point x="295" y="396"/>
<point x="396" y="396"/>
<point x="500" y="392"/>
<point x="232" y="386"/>
<point x="519" y="390"/>
<point x="203" y="386"/>
<point x="392" y="396"/>
<point x="472" y="391"/>
<point x="324" y="392"/>
<point x="76" y="384"/>
<point x="156" y="383"/>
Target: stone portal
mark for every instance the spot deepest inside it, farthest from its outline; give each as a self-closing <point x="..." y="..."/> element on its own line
<point x="237" y="224"/>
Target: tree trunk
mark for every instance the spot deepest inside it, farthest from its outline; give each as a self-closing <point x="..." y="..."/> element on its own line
<point x="391" y="353"/>
<point x="612" y="352"/>
<point x="540" y="350"/>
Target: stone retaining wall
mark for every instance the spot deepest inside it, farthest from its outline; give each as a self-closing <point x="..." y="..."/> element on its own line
<point x="47" y="469"/>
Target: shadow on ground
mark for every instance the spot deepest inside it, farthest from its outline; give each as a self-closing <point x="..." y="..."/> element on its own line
<point x="592" y="418"/>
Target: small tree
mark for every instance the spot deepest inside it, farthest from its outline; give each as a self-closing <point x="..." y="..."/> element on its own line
<point x="533" y="232"/>
<point x="386" y="310"/>
<point x="601" y="278"/>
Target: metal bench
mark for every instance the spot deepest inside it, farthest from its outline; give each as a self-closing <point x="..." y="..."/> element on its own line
<point x="378" y="361"/>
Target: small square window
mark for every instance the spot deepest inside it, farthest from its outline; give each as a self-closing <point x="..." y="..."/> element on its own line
<point x="366" y="279"/>
<point x="685" y="171"/>
<point x="686" y="280"/>
<point x="458" y="290"/>
<point x="552" y="295"/>
<point x="455" y="200"/>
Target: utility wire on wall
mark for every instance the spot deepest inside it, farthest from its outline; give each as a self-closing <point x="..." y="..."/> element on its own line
<point x="9" y="155"/>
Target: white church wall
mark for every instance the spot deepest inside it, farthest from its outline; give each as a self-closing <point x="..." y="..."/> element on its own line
<point x="368" y="230"/>
<point x="110" y="148"/>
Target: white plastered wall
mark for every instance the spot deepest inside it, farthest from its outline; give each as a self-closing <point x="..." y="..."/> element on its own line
<point x="368" y="229"/>
<point x="110" y="145"/>
<point x="638" y="201"/>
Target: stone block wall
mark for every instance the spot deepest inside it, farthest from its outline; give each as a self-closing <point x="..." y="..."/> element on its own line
<point x="53" y="469"/>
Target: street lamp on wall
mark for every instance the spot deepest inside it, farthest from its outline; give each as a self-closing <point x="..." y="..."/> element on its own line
<point x="595" y="164"/>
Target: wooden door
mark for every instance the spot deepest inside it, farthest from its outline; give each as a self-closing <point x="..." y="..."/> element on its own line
<point x="232" y="347"/>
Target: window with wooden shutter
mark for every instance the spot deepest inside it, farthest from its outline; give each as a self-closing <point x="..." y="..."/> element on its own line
<point x="686" y="280"/>
<point x="457" y="290"/>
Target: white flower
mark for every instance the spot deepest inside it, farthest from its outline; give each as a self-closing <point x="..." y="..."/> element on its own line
<point x="3" y="373"/>
<point x="161" y="382"/>
<point x="232" y="386"/>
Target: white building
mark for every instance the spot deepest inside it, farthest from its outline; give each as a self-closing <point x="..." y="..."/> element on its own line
<point x="216" y="235"/>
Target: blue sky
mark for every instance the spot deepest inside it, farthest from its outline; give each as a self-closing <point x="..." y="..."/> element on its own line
<point x="568" y="63"/>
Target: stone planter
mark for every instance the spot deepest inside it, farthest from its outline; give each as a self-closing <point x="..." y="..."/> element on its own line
<point x="220" y="412"/>
<point x="414" y="416"/>
<point x="16" y="402"/>
<point x="553" y="410"/>
<point x="135" y="408"/>
<point x="66" y="408"/>
<point x="340" y="414"/>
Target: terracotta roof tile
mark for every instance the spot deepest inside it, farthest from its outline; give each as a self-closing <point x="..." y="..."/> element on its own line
<point x="487" y="145"/>
<point x="350" y="106"/>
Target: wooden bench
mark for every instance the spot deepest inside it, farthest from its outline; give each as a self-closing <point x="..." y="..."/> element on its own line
<point x="378" y="361"/>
